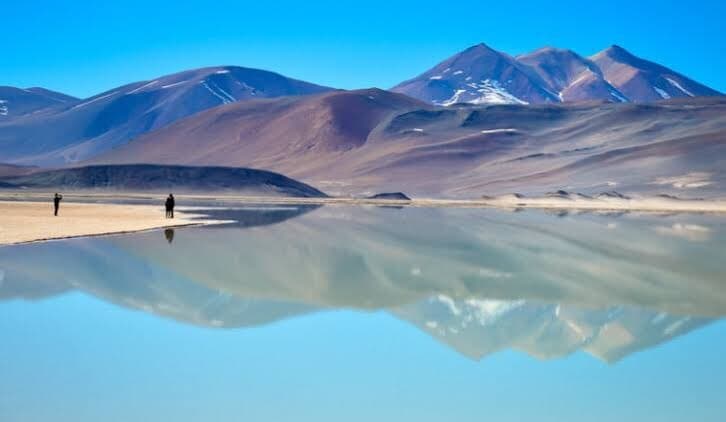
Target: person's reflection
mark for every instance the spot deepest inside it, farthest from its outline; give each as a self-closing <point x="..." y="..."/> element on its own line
<point x="169" y="235"/>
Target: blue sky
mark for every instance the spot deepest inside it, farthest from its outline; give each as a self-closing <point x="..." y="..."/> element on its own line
<point x="83" y="48"/>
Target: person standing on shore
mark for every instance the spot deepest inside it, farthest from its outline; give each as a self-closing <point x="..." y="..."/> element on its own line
<point x="170" y="206"/>
<point x="56" y="203"/>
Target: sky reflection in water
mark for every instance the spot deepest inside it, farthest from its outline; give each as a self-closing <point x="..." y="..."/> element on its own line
<point x="371" y="313"/>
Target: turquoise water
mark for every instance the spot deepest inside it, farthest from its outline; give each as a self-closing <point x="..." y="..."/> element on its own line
<point x="341" y="313"/>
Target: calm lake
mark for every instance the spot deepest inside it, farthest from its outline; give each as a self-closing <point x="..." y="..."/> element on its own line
<point x="335" y="313"/>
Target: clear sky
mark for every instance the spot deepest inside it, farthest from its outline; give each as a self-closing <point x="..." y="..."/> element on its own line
<point x="85" y="47"/>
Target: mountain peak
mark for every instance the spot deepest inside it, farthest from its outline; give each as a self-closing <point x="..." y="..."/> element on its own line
<point x="548" y="49"/>
<point x="615" y="47"/>
<point x="617" y="52"/>
<point x="480" y="48"/>
<point x="641" y="80"/>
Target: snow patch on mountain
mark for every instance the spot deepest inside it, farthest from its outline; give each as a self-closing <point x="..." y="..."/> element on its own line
<point x="662" y="93"/>
<point x="658" y="318"/>
<point x="484" y="312"/>
<point x="173" y="85"/>
<point x="475" y="311"/>
<point x="487" y="131"/>
<point x="449" y="303"/>
<point x="85" y="103"/>
<point x="432" y="324"/>
<point x="141" y="88"/>
<point x="582" y="76"/>
<point x="486" y="91"/>
<point x="226" y="94"/>
<point x="3" y="108"/>
<point x="454" y="99"/>
<point x="673" y="327"/>
<point x="679" y="87"/>
<point x="218" y="92"/>
<point x="492" y="92"/>
<point x="618" y="96"/>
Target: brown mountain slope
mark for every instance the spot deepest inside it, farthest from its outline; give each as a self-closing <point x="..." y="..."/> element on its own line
<point x="573" y="77"/>
<point x="642" y="80"/>
<point x="292" y="132"/>
<point x="362" y="142"/>
<point x="84" y="129"/>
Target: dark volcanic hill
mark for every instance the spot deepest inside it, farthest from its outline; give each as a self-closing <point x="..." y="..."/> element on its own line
<point x="164" y="178"/>
<point x="363" y="142"/>
<point x="89" y="127"/>
<point x="480" y="75"/>
<point x="396" y="196"/>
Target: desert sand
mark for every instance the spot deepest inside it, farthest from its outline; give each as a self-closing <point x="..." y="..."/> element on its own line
<point x="23" y="222"/>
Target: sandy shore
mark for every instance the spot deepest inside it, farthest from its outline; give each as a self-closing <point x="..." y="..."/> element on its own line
<point x="22" y="222"/>
<point x="24" y="219"/>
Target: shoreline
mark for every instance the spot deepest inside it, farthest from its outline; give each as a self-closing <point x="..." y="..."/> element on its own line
<point x="104" y="234"/>
<point x="27" y="220"/>
<point x="660" y="203"/>
<point x="594" y="204"/>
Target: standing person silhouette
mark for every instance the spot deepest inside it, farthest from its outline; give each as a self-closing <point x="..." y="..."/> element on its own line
<point x="167" y="206"/>
<point x="56" y="203"/>
<point x="170" y="206"/>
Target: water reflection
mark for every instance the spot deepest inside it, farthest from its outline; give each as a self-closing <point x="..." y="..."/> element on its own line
<point x="477" y="280"/>
<point x="169" y="235"/>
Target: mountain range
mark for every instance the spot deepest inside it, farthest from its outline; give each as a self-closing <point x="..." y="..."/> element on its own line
<point x="480" y="122"/>
<point x="482" y="75"/>
<point x="83" y="128"/>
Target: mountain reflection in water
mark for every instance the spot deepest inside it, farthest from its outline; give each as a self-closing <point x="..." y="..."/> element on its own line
<point x="477" y="280"/>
